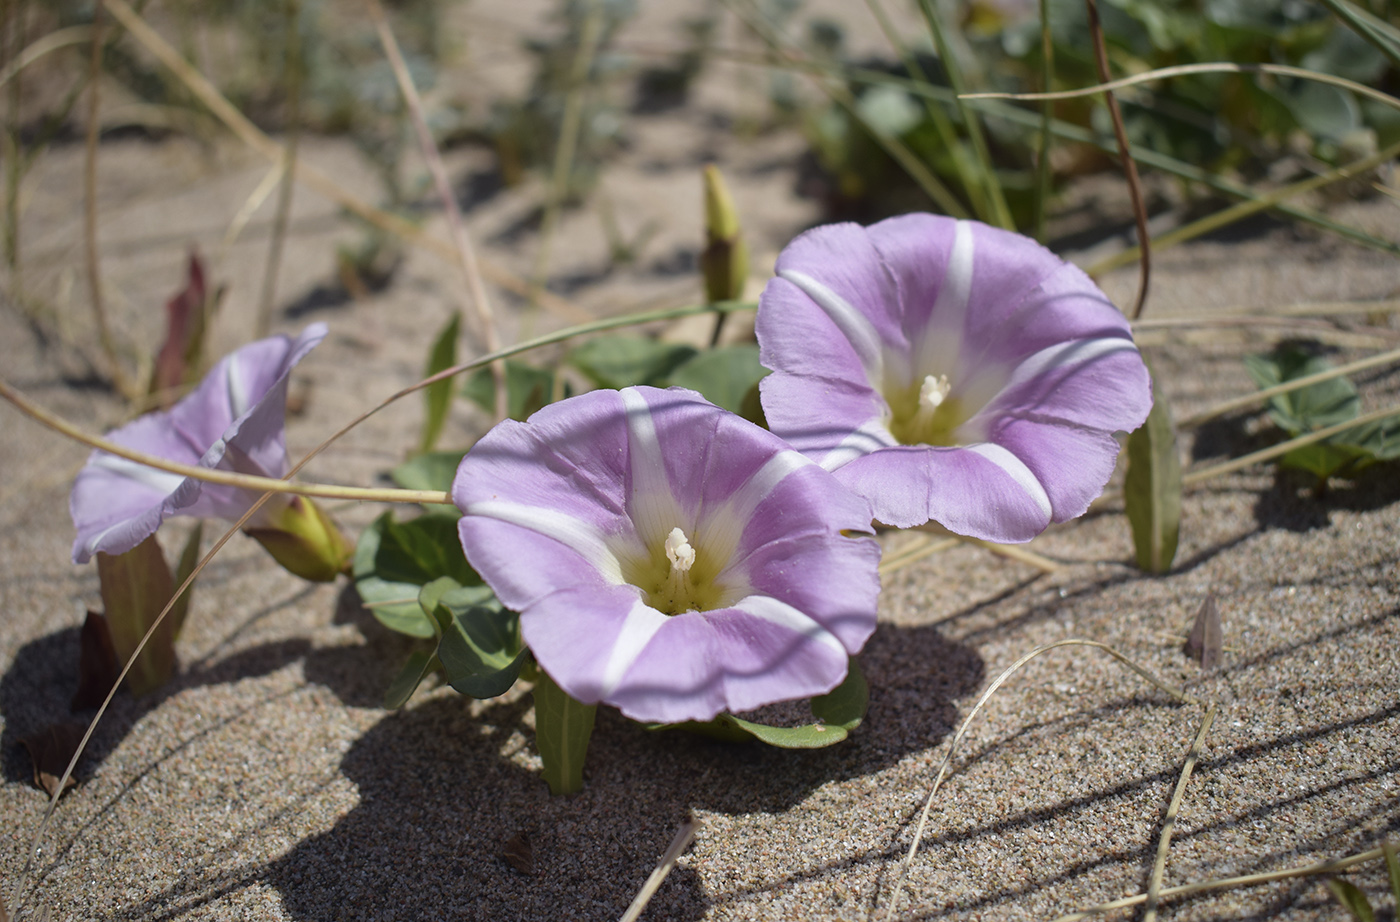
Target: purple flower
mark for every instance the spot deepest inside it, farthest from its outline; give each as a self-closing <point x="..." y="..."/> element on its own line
<point x="232" y="421"/>
<point x="949" y="371"/>
<point x="668" y="557"/>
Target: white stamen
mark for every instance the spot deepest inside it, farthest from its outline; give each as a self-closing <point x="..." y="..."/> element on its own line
<point x="679" y="551"/>
<point x="934" y="391"/>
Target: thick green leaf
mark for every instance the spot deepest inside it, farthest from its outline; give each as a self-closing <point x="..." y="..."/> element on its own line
<point x="433" y="470"/>
<point x="1152" y="489"/>
<point x="622" y="361"/>
<point x="838" y="713"/>
<point x="723" y="376"/>
<point x="437" y="397"/>
<point x="845" y="705"/>
<point x="562" y="729"/>
<point x="480" y="649"/>
<point x="189" y="559"/>
<point x="419" y="664"/>
<point x="394" y="560"/>
<point x="1380" y="439"/>
<point x="527" y="389"/>
<point x="1307" y="408"/>
<point x="1352" y="899"/>
<point x="135" y="587"/>
<point x="1327" y="459"/>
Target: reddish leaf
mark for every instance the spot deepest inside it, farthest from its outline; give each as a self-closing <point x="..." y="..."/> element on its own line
<point x="97" y="663"/>
<point x="1207" y="639"/>
<point x="186" y="319"/>
<point x="51" y="750"/>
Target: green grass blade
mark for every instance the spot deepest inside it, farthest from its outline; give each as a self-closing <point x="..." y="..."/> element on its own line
<point x="990" y="186"/>
<point x="1152" y="489"/>
<point x="437" y="397"/>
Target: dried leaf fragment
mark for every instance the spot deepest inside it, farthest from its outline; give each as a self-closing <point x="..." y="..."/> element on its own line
<point x="1206" y="640"/>
<point x="51" y="750"/>
<point x="520" y="854"/>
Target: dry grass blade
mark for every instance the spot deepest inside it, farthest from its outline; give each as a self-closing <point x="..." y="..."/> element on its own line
<point x="997" y="683"/>
<point x="59" y="38"/>
<point x="294" y="66"/>
<point x="478" y="303"/>
<point x="1229" y="883"/>
<point x="249" y="133"/>
<point x="678" y="845"/>
<point x="925" y="547"/>
<point x="210" y="475"/>
<point x="1263" y="396"/>
<point x="1182" y="70"/>
<point x="1154" y="885"/>
<point x="93" y="262"/>
<point x="1283" y="448"/>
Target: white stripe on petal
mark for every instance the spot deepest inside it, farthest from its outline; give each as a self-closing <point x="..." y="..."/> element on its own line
<point x="937" y="347"/>
<point x="638" y="629"/>
<point x="871" y="436"/>
<point x="1062" y="355"/>
<point x="784" y="615"/>
<point x="577" y="535"/>
<point x="163" y="481"/>
<point x="950" y="308"/>
<point x="852" y="323"/>
<point x="237" y="388"/>
<point x="1016" y="469"/>
<point x="652" y="505"/>
<point x="720" y="532"/>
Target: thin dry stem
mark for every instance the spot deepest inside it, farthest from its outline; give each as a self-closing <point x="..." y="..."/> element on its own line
<point x="1129" y="164"/>
<point x="679" y="843"/>
<point x="1180" y="70"/>
<point x="45" y="44"/>
<point x="1154" y="885"/>
<point x="568" y="143"/>
<point x="478" y="304"/>
<point x="92" y="260"/>
<point x="318" y="181"/>
<point x="1263" y="396"/>
<point x="1283" y="448"/>
<point x="1178" y="694"/>
<point x="1330" y="866"/>
<point x="211" y="475"/>
<point x="286" y="184"/>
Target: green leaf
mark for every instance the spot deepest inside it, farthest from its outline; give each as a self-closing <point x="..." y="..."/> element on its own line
<point x="480" y="648"/>
<point x="189" y="559"/>
<point x="838" y="713"/>
<point x="622" y="361"/>
<point x="723" y="376"/>
<point x="433" y="470"/>
<point x="1327" y="459"/>
<point x="1152" y="489"/>
<point x="1352" y="899"/>
<point x="527" y="389"/>
<point x="135" y="587"/>
<point x="562" y="729"/>
<point x="394" y="560"/>
<point x="419" y="664"/>
<point x="1306" y="409"/>
<point x="437" y="397"/>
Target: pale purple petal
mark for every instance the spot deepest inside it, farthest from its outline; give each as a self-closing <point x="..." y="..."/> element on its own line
<point x="232" y="421"/>
<point x="1010" y="340"/>
<point x="560" y="512"/>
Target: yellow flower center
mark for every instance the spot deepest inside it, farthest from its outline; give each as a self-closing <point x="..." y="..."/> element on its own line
<point x="925" y="412"/>
<point x="678" y="577"/>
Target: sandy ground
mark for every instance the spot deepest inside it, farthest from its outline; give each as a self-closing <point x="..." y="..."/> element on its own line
<point x="266" y="783"/>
